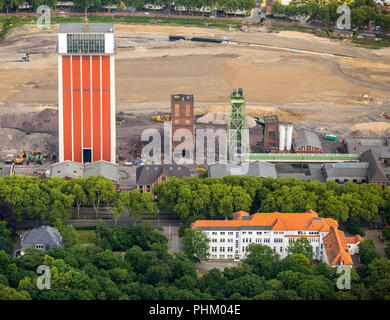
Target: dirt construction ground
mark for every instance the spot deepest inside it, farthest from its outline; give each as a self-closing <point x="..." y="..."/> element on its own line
<point x="327" y="85"/>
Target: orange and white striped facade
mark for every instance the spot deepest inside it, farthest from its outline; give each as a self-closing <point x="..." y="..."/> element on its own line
<point x="86" y="80"/>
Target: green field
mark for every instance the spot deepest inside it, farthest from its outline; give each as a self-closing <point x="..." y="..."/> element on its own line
<point x="86" y="236"/>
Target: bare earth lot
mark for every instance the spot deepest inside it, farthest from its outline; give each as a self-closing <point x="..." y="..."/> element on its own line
<point x="327" y="85"/>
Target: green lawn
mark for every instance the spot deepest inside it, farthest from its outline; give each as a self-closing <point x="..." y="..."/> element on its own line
<point x="86" y="236"/>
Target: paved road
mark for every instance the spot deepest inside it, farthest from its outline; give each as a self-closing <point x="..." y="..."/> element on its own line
<point x="174" y="241"/>
<point x="255" y="15"/>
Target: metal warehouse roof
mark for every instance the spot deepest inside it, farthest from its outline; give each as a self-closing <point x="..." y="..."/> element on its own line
<point x="70" y="169"/>
<point x="107" y="169"/>
<point x="67" y="169"/>
<point x="91" y="28"/>
<point x="306" y="137"/>
<point x="5" y="170"/>
<point x="361" y="145"/>
<point x="256" y="169"/>
<point x="353" y="170"/>
<point x="375" y="171"/>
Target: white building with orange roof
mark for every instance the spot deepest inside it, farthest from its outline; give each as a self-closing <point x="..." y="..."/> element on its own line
<point x="229" y="239"/>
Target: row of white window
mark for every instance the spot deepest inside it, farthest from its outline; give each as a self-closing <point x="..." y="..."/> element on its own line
<point x="231" y="233"/>
<point x="221" y="256"/>
<point x="260" y="240"/>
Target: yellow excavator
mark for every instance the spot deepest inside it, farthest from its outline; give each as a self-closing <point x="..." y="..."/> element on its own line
<point x="201" y="169"/>
<point x="21" y="157"/>
<point x="162" y="118"/>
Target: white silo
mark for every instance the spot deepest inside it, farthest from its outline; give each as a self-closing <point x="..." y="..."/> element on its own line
<point x="289" y="131"/>
<point x="282" y="137"/>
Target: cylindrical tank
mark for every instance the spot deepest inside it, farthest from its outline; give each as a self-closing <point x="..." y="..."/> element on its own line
<point x="282" y="137"/>
<point x="289" y="131"/>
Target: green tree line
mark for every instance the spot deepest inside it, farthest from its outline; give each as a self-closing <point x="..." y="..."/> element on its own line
<point x="144" y="269"/>
<point x="54" y="198"/>
<point x="362" y="12"/>
<point x="98" y="5"/>
<point x="208" y="198"/>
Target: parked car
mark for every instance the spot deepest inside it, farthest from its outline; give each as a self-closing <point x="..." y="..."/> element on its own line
<point x="378" y="29"/>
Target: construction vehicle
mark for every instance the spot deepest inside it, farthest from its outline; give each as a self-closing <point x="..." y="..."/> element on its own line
<point x="22" y="156"/>
<point x="9" y="159"/>
<point x="35" y="151"/>
<point x="30" y="158"/>
<point x="259" y="121"/>
<point x="39" y="159"/>
<point x="139" y="161"/>
<point x="162" y="118"/>
<point x="120" y="120"/>
<point x="19" y="159"/>
<point x="385" y="115"/>
<point x="201" y="169"/>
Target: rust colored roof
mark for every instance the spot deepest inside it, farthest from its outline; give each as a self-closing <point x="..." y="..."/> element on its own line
<point x="355" y="239"/>
<point x="275" y="221"/>
<point x="336" y="247"/>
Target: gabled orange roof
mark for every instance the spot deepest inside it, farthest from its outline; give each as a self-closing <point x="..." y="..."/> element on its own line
<point x="276" y="221"/>
<point x="355" y="239"/>
<point x="336" y="247"/>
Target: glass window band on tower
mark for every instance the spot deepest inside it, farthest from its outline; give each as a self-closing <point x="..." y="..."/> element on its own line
<point x="88" y="43"/>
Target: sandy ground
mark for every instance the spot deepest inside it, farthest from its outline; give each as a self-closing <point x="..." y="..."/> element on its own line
<point x="149" y="68"/>
<point x="373" y="126"/>
<point x="325" y="84"/>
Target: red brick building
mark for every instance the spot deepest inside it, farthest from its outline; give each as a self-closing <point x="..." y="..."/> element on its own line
<point x="182" y="117"/>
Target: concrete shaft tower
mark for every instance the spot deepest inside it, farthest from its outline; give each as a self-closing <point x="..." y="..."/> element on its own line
<point x="86" y="92"/>
<point x="238" y="132"/>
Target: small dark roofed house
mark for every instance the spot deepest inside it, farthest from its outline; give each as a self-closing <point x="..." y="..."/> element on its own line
<point x="307" y="141"/>
<point x="375" y="172"/>
<point x="42" y="238"/>
<point x="150" y="175"/>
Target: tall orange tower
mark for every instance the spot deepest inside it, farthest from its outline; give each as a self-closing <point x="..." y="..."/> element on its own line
<point x="86" y="90"/>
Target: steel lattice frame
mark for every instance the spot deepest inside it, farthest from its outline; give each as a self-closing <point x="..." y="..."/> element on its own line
<point x="238" y="132"/>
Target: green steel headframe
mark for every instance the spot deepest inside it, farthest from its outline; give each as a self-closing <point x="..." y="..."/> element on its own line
<point x="238" y="132"/>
